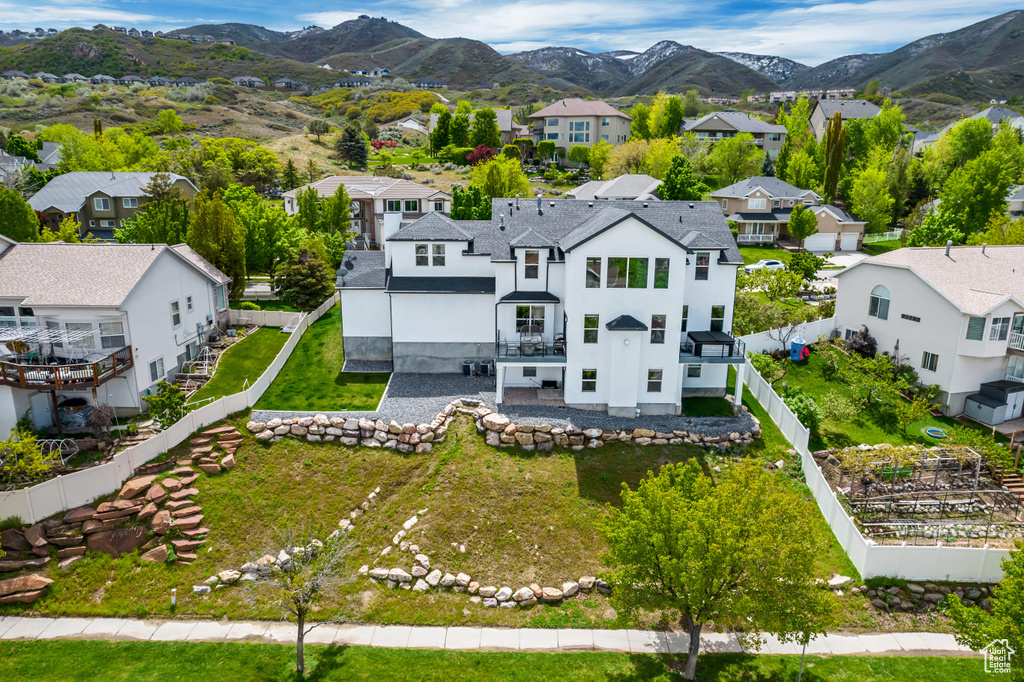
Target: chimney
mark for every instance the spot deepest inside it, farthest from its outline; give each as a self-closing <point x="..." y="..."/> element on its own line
<point x="517" y="202"/>
<point x="949" y="244"/>
<point x="501" y="225"/>
<point x="540" y="206"/>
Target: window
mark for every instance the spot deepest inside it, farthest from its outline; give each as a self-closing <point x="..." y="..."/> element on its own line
<point x="25" y="312"/>
<point x="55" y="326"/>
<point x="912" y="318"/>
<point x="658" y="329"/>
<point x="590" y="328"/>
<point x="1000" y="329"/>
<point x="774" y="137"/>
<point x="529" y="371"/>
<point x="605" y="122"/>
<point x="686" y="314"/>
<point x="589" y="381"/>
<point x="756" y="203"/>
<point x="1018" y="323"/>
<point x="439" y="206"/>
<point x="754" y="228"/>
<point x="579" y="126"/>
<point x="438" y="260"/>
<point x="975" y="328"/>
<point x="412" y="205"/>
<point x="112" y="335"/>
<point x="604" y="138"/>
<point x="725" y="204"/>
<point x="532" y="264"/>
<point x="188" y="304"/>
<point x="130" y="202"/>
<point x="879" y="305"/>
<point x="175" y="314"/>
<point x="661" y="273"/>
<point x="1015" y="367"/>
<point x="393" y="205"/>
<point x="421" y="255"/>
<point x="703" y="265"/>
<point x="579" y="137"/>
<point x="156" y="370"/>
<point x="76" y="328"/>
<point x="221" y="300"/>
<point x="717" y="318"/>
<point x="552" y="136"/>
<point x="929" y="361"/>
<point x="552" y="122"/>
<point x="530" y="316"/>
<point x="7" y="316"/>
<point x="693" y="371"/>
<point x="101" y="204"/>
<point x="593" y="273"/>
<point x="108" y="223"/>
<point x="627" y="273"/>
<point x="654" y="380"/>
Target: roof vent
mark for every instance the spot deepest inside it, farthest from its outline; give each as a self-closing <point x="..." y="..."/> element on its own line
<point x="590" y="204"/>
<point x="552" y="204"/>
<point x="949" y="243"/>
<point x="691" y="206"/>
<point x="983" y="249"/>
<point x="517" y="202"/>
<point x="501" y="225"/>
<point x="645" y="204"/>
<point x="540" y="205"/>
<point x="510" y="204"/>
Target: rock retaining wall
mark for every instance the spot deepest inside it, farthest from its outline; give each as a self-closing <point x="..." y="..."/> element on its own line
<point x="498" y="431"/>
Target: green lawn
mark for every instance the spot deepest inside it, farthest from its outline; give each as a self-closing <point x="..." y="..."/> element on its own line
<point x="881" y="247"/>
<point x="752" y="254"/>
<point x="246" y="359"/>
<point x="312" y="378"/>
<point x="707" y="407"/>
<point x="268" y="305"/>
<point x="138" y="661"/>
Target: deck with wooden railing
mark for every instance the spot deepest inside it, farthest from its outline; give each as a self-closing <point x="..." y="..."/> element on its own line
<point x="67" y="376"/>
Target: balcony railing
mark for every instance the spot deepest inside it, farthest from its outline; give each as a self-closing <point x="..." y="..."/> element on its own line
<point x="755" y="238"/>
<point x="543" y="349"/>
<point x="1019" y="380"/>
<point x="711" y="347"/>
<point x="67" y="376"/>
<point x="1016" y="340"/>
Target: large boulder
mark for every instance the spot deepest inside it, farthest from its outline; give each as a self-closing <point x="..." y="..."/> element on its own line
<point x="23" y="583"/>
<point x="161" y="522"/>
<point x="36" y="536"/>
<point x="136" y="486"/>
<point x="118" y="541"/>
<point x="157" y="555"/>
<point x="14" y="541"/>
<point x="495" y="421"/>
<point x="79" y="514"/>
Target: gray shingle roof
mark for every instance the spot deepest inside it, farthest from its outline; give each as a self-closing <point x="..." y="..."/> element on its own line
<point x="700" y="227"/>
<point x="844" y="216"/>
<point x="743" y="123"/>
<point x="626" y="323"/>
<point x="773" y="186"/>
<point x="432" y="227"/>
<point x="850" y="108"/>
<point x="362" y="270"/>
<point x="532" y="240"/>
<point x="206" y="266"/>
<point x="529" y="297"/>
<point x="504" y="118"/>
<point x="629" y="186"/>
<point x="366" y="187"/>
<point x="68" y="192"/>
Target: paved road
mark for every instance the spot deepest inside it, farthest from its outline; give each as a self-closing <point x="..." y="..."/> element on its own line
<point x="465" y="638"/>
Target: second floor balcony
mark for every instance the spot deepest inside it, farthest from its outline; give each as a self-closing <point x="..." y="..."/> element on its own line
<point x="714" y="347"/>
<point x="36" y="371"/>
<point x="533" y="347"/>
<point x="1016" y="340"/>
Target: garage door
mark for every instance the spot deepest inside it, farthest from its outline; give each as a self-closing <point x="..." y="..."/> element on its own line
<point x="848" y="241"/>
<point x="821" y="242"/>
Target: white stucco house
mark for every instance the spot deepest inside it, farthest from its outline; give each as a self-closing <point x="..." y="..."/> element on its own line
<point x="625" y="307"/>
<point x="82" y="324"/>
<point x="956" y="315"/>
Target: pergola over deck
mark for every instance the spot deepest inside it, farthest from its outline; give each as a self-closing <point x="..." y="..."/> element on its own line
<point x="31" y="370"/>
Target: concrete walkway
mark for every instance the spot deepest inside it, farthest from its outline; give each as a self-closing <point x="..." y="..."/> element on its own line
<point x="464" y="638"/>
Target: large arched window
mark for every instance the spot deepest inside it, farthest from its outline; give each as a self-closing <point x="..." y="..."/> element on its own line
<point x="879" y="306"/>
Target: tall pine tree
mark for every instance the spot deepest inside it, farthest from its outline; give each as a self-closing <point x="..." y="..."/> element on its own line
<point x="835" y="142"/>
<point x="216" y="236"/>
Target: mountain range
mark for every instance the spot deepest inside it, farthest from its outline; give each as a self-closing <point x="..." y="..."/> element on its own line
<point x="979" y="61"/>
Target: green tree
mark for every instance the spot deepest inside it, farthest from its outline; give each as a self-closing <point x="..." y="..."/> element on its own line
<point x="159" y="222"/>
<point x="319" y="127"/>
<point x="545" y="149"/>
<point x="627" y="158"/>
<point x="458" y="130"/>
<point x="441" y="136"/>
<point x="516" y="152"/>
<point x="803" y="171"/>
<point x="170" y="122"/>
<point x="463" y="107"/>
<point x="768" y="167"/>
<point x="216" y="236"/>
<point x="304" y="280"/>
<point x="885" y="129"/>
<point x="353" y="112"/>
<point x="743" y="550"/>
<point x="167" y="404"/>
<point x="736" y="158"/>
<point x="438" y="108"/>
<point x="869" y="196"/>
<point x="1001" y="229"/>
<point x="806" y="264"/>
<point x="307" y="215"/>
<point x="370" y="129"/>
<point x="640" y="113"/>
<point x="599" y="154"/>
<point x="351" y="147"/>
<point x="523" y="113"/>
<point x="68" y="232"/>
<point x="470" y="204"/>
<point x="17" y="219"/>
<point x="579" y="153"/>
<point x="871" y="89"/>
<point x="977" y="191"/>
<point x="290" y="176"/>
<point x="802" y="223"/>
<point x="935" y="230"/>
<point x="680" y="183"/>
<point x="484" y="129"/>
<point x="666" y="115"/>
<point x="691" y="104"/>
<point x="264" y="225"/>
<point x="19" y="146"/>
<point x="835" y="141"/>
<point x="22" y="459"/>
<point x="335" y="213"/>
<point x="500" y="177"/>
<point x="775" y="284"/>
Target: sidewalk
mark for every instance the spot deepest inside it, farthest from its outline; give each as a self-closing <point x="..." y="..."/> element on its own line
<point x="464" y="638"/>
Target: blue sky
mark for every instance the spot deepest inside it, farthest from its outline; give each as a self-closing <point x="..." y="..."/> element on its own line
<point x="810" y="32"/>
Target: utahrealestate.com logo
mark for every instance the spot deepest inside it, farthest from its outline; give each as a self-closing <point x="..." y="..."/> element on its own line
<point x="997" y="656"/>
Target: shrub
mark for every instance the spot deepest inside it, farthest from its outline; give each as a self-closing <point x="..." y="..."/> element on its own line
<point x="353" y="112"/>
<point x="22" y="459"/>
<point x="579" y="153"/>
<point x="512" y="151"/>
<point x="166" y="404"/>
<point x="806" y="264"/>
<point x="863" y="343"/>
<point x="546" y="149"/>
<point x="249" y="305"/>
<point x="481" y="154"/>
<point x="210" y="99"/>
<point x="835" y="407"/>
<point x="804" y="407"/>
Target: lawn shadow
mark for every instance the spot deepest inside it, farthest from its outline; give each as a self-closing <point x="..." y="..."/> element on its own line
<point x="600" y="473"/>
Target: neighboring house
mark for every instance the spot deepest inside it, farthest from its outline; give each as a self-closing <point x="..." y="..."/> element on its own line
<point x="159" y="81"/>
<point x="379" y="205"/>
<point x="625" y="307"/>
<point x="12" y="165"/>
<point x="120" y="29"/>
<point x="101" y="27"/>
<point x="134" y="32"/>
<point x="955" y="314"/>
<point x="147" y="34"/>
<point x="994" y="115"/>
<point x="49" y="157"/>
<point x="1015" y="202"/>
<point x="570" y="122"/>
<point x="102" y="79"/>
<point x="411" y="124"/>
<point x="352" y="83"/>
<point x="10" y="75"/>
<point x="823" y="110"/>
<point x="185" y="81"/>
<point x="289" y="84"/>
<point x="724" y="124"/>
<point x="159" y="34"/>
<point x="248" y="82"/>
<point x="46" y="77"/>
<point x="507" y="126"/>
<point x="629" y="187"/>
<point x="380" y="71"/>
<point x="101" y="201"/>
<point x="226" y="41"/>
<point x="760" y="206"/>
<point x="359" y="72"/>
<point x="130" y="79"/>
<point x="430" y="84"/>
<point x="73" y="78"/>
<point x="104" y="323"/>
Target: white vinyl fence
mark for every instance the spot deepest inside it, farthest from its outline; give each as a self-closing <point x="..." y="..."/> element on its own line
<point x="762" y="342"/>
<point x="263" y="318"/>
<point x="936" y="562"/>
<point x="882" y="236"/>
<point x="83" y="487"/>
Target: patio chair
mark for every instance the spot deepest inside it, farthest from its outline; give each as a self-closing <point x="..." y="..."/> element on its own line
<point x="511" y="348"/>
<point x="558" y="347"/>
<point x="542" y="348"/>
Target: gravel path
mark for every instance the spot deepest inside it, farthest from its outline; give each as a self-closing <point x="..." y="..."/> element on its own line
<point x="417" y="398"/>
<point x="371" y="366"/>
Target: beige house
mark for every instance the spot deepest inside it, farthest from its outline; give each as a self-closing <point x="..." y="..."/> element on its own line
<point x="723" y="124"/>
<point x="101" y="201"/>
<point x="379" y="205"/>
<point x="570" y="122"/>
<point x="851" y="108"/>
<point x="761" y="206"/>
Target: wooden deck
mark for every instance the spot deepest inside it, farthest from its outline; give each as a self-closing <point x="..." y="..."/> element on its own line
<point x="72" y="376"/>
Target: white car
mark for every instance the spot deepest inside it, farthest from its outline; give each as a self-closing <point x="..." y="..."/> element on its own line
<point x="765" y="264"/>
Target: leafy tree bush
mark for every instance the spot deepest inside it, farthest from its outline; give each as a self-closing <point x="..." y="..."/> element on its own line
<point x="804" y="407"/>
<point x="166" y="405"/>
<point x="802" y="223"/>
<point x="304" y="280"/>
<point x="17" y="219"/>
<point x="484" y="129"/>
<point x="216" y="236"/>
<point x="512" y="151"/>
<point x="481" y="154"/>
<point x="736" y="158"/>
<point x="935" y="230"/>
<point x="470" y="204"/>
<point x="249" y="305"/>
<point x="833" y="406"/>
<point x="169" y="121"/>
<point x="680" y="183"/>
<point x="319" y="127"/>
<point x="806" y="264"/>
<point x="22" y="459"/>
<point x="579" y="153"/>
<point x="458" y="130"/>
<point x="863" y="343"/>
<point x="545" y="149"/>
<point x="599" y="155"/>
<point x="19" y="146"/>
